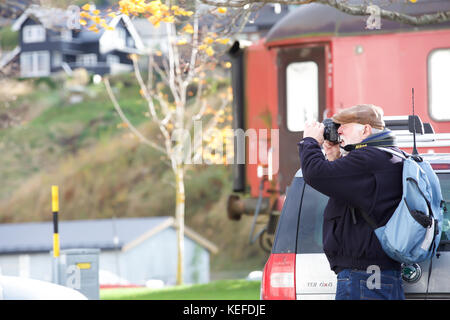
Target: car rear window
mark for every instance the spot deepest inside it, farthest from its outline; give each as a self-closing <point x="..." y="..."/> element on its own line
<point x="309" y="238"/>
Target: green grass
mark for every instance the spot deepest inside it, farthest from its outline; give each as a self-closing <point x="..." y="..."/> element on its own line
<point x="216" y="290"/>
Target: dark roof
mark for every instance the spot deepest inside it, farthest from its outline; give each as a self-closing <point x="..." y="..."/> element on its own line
<point x="38" y="236"/>
<point x="319" y="19"/>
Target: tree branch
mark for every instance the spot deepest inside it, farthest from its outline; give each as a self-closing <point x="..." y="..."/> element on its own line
<point x="151" y="105"/>
<point x="125" y="119"/>
<point x="357" y="10"/>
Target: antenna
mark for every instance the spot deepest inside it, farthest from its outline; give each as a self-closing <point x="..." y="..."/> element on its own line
<point x="415" y="153"/>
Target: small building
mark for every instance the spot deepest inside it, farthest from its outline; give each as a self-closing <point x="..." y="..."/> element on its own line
<point x="48" y="44"/>
<point x="134" y="249"/>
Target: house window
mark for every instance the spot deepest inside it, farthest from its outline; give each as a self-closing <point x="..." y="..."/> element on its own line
<point x="302" y="79"/>
<point x="112" y="59"/>
<point x="35" y="64"/>
<point x="34" y="33"/>
<point x="88" y="59"/>
<point x="56" y="59"/>
<point x="438" y="80"/>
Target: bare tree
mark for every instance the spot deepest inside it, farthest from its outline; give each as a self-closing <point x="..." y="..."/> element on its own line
<point x="196" y="39"/>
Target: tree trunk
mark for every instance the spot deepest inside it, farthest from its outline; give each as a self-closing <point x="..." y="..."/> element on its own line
<point x="179" y="220"/>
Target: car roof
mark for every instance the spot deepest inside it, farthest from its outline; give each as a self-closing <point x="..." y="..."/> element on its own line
<point x="436" y="157"/>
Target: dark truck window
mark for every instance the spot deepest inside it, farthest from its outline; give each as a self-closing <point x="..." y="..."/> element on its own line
<point x="309" y="239"/>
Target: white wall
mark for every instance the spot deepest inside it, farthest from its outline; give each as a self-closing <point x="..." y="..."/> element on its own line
<point x="156" y="258"/>
<point x="36" y="265"/>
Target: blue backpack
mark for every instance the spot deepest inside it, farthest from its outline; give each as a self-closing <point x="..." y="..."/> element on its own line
<point x="413" y="232"/>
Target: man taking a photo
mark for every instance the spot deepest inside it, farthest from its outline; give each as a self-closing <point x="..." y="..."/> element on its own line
<point x="361" y="179"/>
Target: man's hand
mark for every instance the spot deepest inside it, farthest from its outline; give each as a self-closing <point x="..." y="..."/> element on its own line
<point x="332" y="151"/>
<point x="314" y="129"/>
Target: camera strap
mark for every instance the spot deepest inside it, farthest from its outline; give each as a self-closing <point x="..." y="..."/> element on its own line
<point x="382" y="139"/>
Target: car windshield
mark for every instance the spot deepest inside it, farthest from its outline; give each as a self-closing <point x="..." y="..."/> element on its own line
<point x="309" y="239"/>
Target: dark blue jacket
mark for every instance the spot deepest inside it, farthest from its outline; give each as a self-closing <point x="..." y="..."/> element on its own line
<point x="367" y="178"/>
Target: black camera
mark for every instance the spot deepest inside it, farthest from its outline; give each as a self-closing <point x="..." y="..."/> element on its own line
<point x="330" y="131"/>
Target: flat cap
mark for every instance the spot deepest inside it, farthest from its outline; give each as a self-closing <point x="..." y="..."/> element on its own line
<point x="363" y="114"/>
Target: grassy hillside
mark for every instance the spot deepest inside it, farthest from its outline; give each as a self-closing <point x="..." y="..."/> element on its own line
<point x="103" y="171"/>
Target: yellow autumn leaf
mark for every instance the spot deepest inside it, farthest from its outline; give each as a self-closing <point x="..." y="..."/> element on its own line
<point x="208" y="40"/>
<point x="227" y="65"/>
<point x="96" y="12"/>
<point x="169" y="19"/>
<point x="209" y="51"/>
<point x="112" y="15"/>
<point x="222" y="10"/>
<point x="86" y="7"/>
<point x="413" y="1"/>
<point x="223" y="40"/>
<point x="202" y="47"/>
<point x="85" y="14"/>
<point x="154" y="20"/>
<point x="188" y="28"/>
<point x="182" y="42"/>
<point x="83" y="22"/>
<point x="93" y="28"/>
<point x="96" y="19"/>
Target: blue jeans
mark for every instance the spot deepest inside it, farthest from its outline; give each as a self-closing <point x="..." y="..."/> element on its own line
<point x="362" y="285"/>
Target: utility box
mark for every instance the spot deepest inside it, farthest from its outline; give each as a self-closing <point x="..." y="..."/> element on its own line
<point x="79" y="269"/>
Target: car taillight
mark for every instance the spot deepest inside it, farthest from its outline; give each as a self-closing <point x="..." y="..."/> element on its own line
<point x="278" y="281"/>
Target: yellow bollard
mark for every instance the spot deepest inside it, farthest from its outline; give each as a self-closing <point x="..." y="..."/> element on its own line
<point x="55" y="209"/>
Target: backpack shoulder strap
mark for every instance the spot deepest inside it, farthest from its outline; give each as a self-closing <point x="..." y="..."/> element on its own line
<point x="364" y="214"/>
<point x="402" y="155"/>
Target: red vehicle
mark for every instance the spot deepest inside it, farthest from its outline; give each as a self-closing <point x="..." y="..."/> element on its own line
<point x="316" y="61"/>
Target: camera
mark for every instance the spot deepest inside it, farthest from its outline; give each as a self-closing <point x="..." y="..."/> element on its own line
<point x="330" y="131"/>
